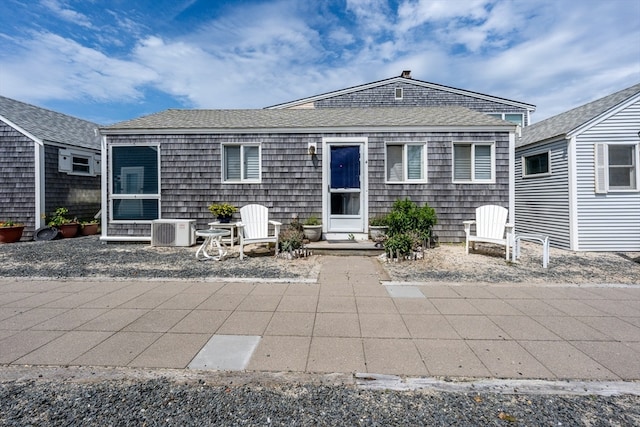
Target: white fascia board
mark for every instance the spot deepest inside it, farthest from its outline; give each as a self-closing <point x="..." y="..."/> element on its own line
<point x="603" y="116"/>
<point x="319" y="130"/>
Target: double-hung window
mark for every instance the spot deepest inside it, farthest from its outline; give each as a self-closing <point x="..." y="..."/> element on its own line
<point x="473" y="162"/>
<point x="406" y="162"/>
<point x="617" y="167"/>
<point x="241" y="162"/>
<point x="135" y="182"/>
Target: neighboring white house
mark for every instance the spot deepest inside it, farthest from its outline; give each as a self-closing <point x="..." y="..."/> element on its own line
<point x="578" y="176"/>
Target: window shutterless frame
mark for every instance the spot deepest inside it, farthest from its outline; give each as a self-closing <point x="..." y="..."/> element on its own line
<point x="536" y="165"/>
<point x="473" y="162"/>
<point x="134" y="183"/>
<point x="405" y="162"/>
<point x="241" y="162"/>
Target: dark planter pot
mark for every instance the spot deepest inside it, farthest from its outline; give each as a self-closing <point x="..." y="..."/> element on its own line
<point x="226" y="219"/>
<point x="11" y="234"/>
<point x="68" y="230"/>
<point x="89" y="229"/>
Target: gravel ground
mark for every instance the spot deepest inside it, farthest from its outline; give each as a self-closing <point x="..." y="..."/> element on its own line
<point x="487" y="264"/>
<point x="169" y="400"/>
<point x="88" y="257"/>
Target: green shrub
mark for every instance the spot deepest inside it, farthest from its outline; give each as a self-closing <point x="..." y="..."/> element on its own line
<point x="312" y="220"/>
<point x="407" y="217"/>
<point x="402" y="243"/>
<point x="290" y="239"/>
<point x="378" y="221"/>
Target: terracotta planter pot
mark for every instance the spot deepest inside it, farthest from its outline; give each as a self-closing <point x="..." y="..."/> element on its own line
<point x="89" y="229"/>
<point x="68" y="230"/>
<point x="11" y="234"/>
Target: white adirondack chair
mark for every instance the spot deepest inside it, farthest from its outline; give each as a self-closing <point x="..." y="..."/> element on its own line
<point x="490" y="227"/>
<point x="254" y="227"/>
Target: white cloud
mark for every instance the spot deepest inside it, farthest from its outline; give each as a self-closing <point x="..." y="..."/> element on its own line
<point x="51" y="67"/>
<point x="552" y="53"/>
<point x="65" y="13"/>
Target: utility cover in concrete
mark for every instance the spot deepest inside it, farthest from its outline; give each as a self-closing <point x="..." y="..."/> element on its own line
<point x="399" y="291"/>
<point x="226" y="353"/>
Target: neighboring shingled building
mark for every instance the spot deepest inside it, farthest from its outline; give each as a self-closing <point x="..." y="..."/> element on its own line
<point x="47" y="160"/>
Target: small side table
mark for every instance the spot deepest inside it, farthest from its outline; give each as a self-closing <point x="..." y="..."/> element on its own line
<point x="231" y="226"/>
<point x="540" y="238"/>
<point x="212" y="242"/>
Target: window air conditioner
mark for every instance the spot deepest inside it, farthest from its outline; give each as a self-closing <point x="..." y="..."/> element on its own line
<point x="173" y="232"/>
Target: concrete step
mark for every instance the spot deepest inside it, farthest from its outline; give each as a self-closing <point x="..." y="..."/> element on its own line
<point x="345" y="247"/>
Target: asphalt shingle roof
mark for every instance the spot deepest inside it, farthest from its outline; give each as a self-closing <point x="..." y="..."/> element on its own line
<point x="566" y="122"/>
<point x="329" y="118"/>
<point x="50" y="126"/>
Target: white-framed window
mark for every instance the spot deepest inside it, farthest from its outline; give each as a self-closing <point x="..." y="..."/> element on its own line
<point x="406" y="162"/>
<point x="516" y="118"/>
<point x="617" y="167"/>
<point x="474" y="162"/>
<point x="134" y="182"/>
<point x="398" y="93"/>
<point x="78" y="162"/>
<point x="536" y="164"/>
<point x="241" y="162"/>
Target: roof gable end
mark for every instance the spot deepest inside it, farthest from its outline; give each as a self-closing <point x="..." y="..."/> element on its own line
<point x="577" y="120"/>
<point x="404" y="80"/>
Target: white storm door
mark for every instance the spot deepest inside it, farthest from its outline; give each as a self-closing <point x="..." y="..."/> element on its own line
<point x="345" y="197"/>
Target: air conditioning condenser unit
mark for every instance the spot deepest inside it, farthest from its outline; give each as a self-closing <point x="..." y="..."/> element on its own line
<point x="173" y="232"/>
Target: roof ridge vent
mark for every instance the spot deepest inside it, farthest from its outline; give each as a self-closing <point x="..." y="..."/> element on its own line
<point x="406" y="74"/>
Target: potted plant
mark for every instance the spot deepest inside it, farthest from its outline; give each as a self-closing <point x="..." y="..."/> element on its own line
<point x="67" y="227"/>
<point x="378" y="226"/>
<point x="89" y="228"/>
<point x="10" y="231"/>
<point x="223" y="211"/>
<point x="312" y="228"/>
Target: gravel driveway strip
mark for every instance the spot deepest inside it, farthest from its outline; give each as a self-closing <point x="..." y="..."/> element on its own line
<point x="87" y="396"/>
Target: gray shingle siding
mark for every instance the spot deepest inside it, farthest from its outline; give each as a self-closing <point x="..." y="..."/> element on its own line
<point x="415" y="96"/>
<point x="17" y="174"/>
<point x="292" y="180"/>
<point x="78" y="193"/>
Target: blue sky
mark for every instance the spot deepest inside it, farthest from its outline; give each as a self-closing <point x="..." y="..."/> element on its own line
<point x="108" y="61"/>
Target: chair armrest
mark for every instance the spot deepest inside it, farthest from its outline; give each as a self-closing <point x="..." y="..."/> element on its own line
<point x="467" y="226"/>
<point x="509" y="227"/>
<point x="276" y="227"/>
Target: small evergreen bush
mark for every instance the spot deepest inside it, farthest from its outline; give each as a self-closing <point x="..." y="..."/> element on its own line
<point x="409" y="222"/>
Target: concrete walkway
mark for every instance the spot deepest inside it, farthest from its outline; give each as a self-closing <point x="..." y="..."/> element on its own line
<point x="347" y="322"/>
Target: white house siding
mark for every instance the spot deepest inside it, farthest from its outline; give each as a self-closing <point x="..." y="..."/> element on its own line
<point x="607" y="222"/>
<point x="542" y="203"/>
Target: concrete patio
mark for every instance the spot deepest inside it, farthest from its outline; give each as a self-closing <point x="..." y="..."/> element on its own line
<point x="347" y="322"/>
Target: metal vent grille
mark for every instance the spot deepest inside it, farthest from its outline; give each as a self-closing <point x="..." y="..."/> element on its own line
<point x="173" y="232"/>
<point x="164" y="234"/>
